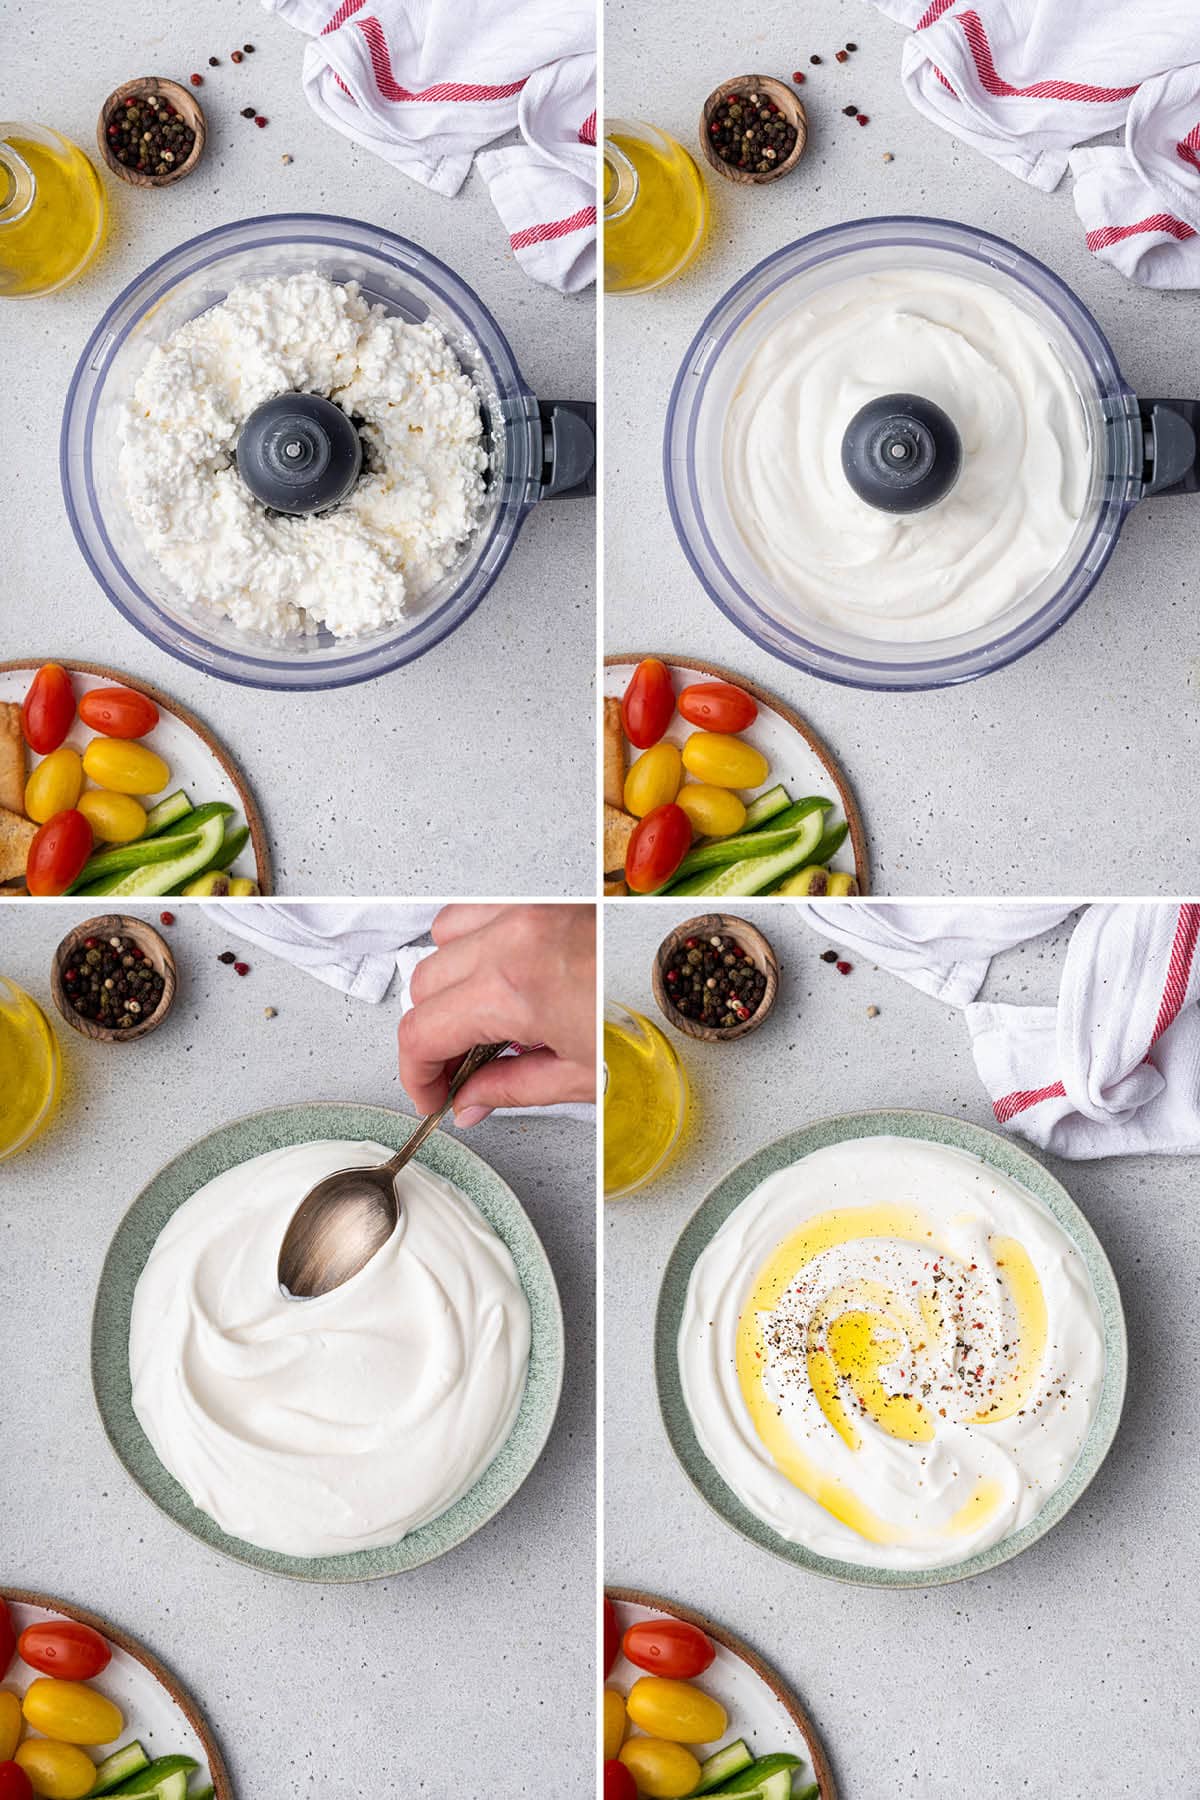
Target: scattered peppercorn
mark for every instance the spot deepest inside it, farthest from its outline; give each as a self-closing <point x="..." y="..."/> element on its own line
<point x="236" y="56"/>
<point x="147" y="134"/>
<point x="249" y="49"/>
<point x="241" y="968"/>
<point x="850" y="111"/>
<point x="196" y="80"/>
<point x="269" y="1012"/>
<point x="259" y="120"/>
<point x="285" y="158"/>
<point x="872" y="1012"/>
<point x="112" y="982"/>
<point x="814" y="59"/>
<point x="213" y="63"/>
<point x="749" y="132"/>
<point x="844" y="968"/>
<point x="863" y="119"/>
<point x="226" y="956"/>
<point x="714" y="981"/>
<point x="166" y="918"/>
<point x="888" y="157"/>
<point x="797" y="76"/>
<point x="840" y="56"/>
<point x="247" y="112"/>
<point x="852" y="46"/>
<point x="829" y="956"/>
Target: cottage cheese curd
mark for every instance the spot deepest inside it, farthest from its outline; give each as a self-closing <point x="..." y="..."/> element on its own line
<point x="892" y="1353"/>
<point x="313" y="1427"/>
<point x="1010" y="518"/>
<point x="350" y="571"/>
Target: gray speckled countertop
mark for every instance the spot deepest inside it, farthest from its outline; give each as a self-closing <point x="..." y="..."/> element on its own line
<point x="1048" y="776"/>
<point x="1068" y="1672"/>
<point x="408" y="784"/>
<point x="466" y="1676"/>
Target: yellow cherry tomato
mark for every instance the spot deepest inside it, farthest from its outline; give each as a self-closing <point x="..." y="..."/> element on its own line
<point x="662" y="1771"/>
<point x="11" y="1724"/>
<point x="714" y="811"/>
<point x="54" y="785"/>
<point x="715" y="757"/>
<point x="614" y="1722"/>
<point x="124" y="767"/>
<point x="675" y="1710"/>
<point x="114" y="818"/>
<point x="653" y="780"/>
<point x="56" y="1771"/>
<point x="72" y="1711"/>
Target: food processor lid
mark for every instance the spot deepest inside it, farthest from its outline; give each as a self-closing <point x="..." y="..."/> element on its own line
<point x="299" y="453"/>
<point x="901" y="453"/>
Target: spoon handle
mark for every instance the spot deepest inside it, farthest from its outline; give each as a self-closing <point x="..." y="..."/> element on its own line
<point x="474" y="1059"/>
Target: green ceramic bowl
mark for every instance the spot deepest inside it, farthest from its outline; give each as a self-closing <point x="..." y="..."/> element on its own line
<point x="236" y="1143"/>
<point x="1003" y="1154"/>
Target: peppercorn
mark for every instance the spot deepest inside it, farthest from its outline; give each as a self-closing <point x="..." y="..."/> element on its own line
<point x="863" y="119"/>
<point x="844" y="968"/>
<point x="852" y="46"/>
<point x="147" y="134"/>
<point x="247" y="112"/>
<point x="235" y="56"/>
<point x="226" y="956"/>
<point x="798" y="76"/>
<point x="196" y="80"/>
<point x="829" y="956"/>
<point x="166" y="918"/>
<point x="840" y="56"/>
<point x="241" y="968"/>
<point x="213" y="63"/>
<point x="249" y="49"/>
<point x="814" y="59"/>
<point x="259" y="120"/>
<point x="850" y="111"/>
<point x="112" y="984"/>
<point x="714" y="982"/>
<point x="748" y="131"/>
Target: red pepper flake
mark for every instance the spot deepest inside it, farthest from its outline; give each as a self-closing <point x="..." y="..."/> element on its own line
<point x="844" y="968"/>
<point x="240" y="968"/>
<point x="259" y="120"/>
<point x="863" y="119"/>
<point x="166" y="918"/>
<point x="196" y="80"/>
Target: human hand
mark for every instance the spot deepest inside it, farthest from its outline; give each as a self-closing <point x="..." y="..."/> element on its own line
<point x="523" y="973"/>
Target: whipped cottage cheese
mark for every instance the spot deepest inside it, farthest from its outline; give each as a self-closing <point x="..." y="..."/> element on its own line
<point x="1010" y="518"/>
<point x="313" y="1427"/>
<point x="892" y="1353"/>
<point x="358" y="567"/>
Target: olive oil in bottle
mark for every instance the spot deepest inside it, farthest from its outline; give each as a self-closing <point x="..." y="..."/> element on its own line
<point x="30" y="1068"/>
<point x="52" y="211"/>
<point x="655" y="208"/>
<point x="645" y="1101"/>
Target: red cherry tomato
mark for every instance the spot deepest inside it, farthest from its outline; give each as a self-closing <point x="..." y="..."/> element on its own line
<point x="118" y="712"/>
<point x="16" y="1785"/>
<point x="618" y="1782"/>
<point x="49" y="709"/>
<point x="658" y="845"/>
<point x="8" y="1638"/>
<point x="669" y="1647"/>
<point x="58" y="853"/>
<point x="713" y="705"/>
<point x="612" y="1636"/>
<point x="649" y="703"/>
<point x="66" y="1648"/>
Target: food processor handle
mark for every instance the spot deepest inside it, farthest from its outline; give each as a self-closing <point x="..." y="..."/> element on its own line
<point x="568" y="449"/>
<point x="1171" y="441"/>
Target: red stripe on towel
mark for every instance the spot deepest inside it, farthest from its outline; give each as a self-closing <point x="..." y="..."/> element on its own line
<point x="542" y="234"/>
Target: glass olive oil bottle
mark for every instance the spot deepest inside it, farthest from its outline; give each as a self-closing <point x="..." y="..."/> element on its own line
<point x="30" y="1068"/>
<point x="655" y="208"/>
<point x="645" y="1101"/>
<point x="52" y="211"/>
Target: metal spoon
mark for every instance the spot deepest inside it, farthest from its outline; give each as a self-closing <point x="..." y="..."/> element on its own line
<point x="347" y="1217"/>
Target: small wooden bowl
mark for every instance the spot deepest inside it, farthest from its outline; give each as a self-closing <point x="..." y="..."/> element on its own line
<point x="157" y="954"/>
<point x="751" y="941"/>
<point x="788" y="104"/>
<point x="185" y="104"/>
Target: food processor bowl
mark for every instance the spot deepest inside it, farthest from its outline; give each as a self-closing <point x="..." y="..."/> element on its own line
<point x="1135" y="447"/>
<point x="536" y="448"/>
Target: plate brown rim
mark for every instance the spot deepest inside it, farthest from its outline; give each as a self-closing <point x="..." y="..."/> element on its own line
<point x="222" y="1785"/>
<point x="164" y="702"/>
<point x="789" y="715"/>
<point x="822" y="1769"/>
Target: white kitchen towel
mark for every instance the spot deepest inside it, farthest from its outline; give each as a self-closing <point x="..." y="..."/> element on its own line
<point x="1028" y="81"/>
<point x="427" y="84"/>
<point x="357" y="947"/>
<point x="1114" y="1068"/>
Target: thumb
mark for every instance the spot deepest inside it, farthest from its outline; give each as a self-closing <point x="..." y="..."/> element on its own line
<point x="538" y="1078"/>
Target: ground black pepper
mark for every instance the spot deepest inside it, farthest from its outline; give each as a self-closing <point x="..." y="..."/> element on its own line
<point x="713" y="981"/>
<point x="111" y="981"/>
